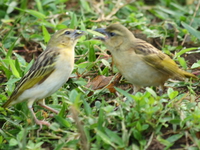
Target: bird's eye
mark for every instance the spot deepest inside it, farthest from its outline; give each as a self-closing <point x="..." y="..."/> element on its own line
<point x="112" y="34"/>
<point x="67" y="32"/>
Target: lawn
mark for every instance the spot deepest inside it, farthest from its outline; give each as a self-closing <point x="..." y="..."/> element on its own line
<point x="96" y="107"/>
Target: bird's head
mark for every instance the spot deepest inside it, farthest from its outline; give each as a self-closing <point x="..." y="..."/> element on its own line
<point x="65" y="37"/>
<point x="114" y="35"/>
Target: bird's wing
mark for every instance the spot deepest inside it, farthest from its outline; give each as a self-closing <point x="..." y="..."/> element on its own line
<point x="41" y="69"/>
<point x="163" y="63"/>
<point x="157" y="59"/>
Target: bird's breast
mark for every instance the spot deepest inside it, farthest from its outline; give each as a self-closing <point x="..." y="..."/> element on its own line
<point x="136" y="71"/>
<point x="63" y="68"/>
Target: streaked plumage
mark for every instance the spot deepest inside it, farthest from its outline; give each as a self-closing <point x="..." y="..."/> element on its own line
<point x="138" y="61"/>
<point x="48" y="73"/>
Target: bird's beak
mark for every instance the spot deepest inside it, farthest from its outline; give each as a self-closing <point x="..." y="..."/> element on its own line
<point x="103" y="32"/>
<point x="78" y="33"/>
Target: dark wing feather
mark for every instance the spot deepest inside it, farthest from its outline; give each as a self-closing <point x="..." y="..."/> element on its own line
<point x="157" y="59"/>
<point x="41" y="69"/>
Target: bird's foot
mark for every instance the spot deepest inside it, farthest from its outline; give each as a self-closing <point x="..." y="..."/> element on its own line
<point x="42" y="104"/>
<point x="41" y="123"/>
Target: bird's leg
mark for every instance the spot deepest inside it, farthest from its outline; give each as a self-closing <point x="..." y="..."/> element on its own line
<point x="135" y="89"/>
<point x="39" y="122"/>
<point x="161" y="89"/>
<point x="42" y="104"/>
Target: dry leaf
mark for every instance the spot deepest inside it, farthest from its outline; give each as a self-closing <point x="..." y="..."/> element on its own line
<point x="101" y="81"/>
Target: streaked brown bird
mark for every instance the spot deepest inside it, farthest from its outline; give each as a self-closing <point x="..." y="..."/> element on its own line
<point x="48" y="73"/>
<point x="138" y="61"/>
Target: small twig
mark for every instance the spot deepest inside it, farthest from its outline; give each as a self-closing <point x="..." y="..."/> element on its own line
<point x="197" y="8"/>
<point x="175" y="43"/>
<point x="117" y="7"/>
<point x="150" y="141"/>
<point x="89" y="74"/>
<point x="157" y="43"/>
<point x="83" y="138"/>
<point x="100" y="9"/>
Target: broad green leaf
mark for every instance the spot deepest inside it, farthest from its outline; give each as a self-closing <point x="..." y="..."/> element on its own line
<point x="83" y="28"/>
<point x="196" y="65"/>
<point x="39" y="5"/>
<point x="163" y="141"/>
<point x="21" y="134"/>
<point x="174" y="138"/>
<point x="13" y="68"/>
<point x="101" y="119"/>
<point x="11" y="7"/>
<point x="60" y="146"/>
<point x="48" y="24"/>
<point x="182" y="62"/>
<point x="62" y="112"/>
<point x="97" y="104"/>
<point x="17" y="66"/>
<point x="74" y="22"/>
<point x="28" y="66"/>
<point x="87" y="107"/>
<point x="137" y="134"/>
<point x="45" y="2"/>
<point x="169" y="11"/>
<point x="36" y="14"/>
<point x="183" y="51"/>
<point x="60" y="26"/>
<point x="108" y="108"/>
<point x="105" y="138"/>
<point x="124" y="93"/>
<point x="192" y="31"/>
<point x="1" y="138"/>
<point x="20" y="59"/>
<point x="85" y="64"/>
<point x="13" y="142"/>
<point x="85" y="5"/>
<point x="9" y="53"/>
<point x="179" y="7"/>
<point x="114" y="137"/>
<point x="105" y="71"/>
<point x="62" y="121"/>
<point x="46" y="34"/>
<point x="95" y="33"/>
<point x="92" y="56"/>
<point x="105" y="62"/>
<point x="151" y="91"/>
<point x="171" y="93"/>
<point x="54" y="126"/>
<point x="34" y="145"/>
<point x="73" y="96"/>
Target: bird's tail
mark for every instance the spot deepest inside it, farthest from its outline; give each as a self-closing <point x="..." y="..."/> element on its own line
<point x="7" y="103"/>
<point x="189" y="75"/>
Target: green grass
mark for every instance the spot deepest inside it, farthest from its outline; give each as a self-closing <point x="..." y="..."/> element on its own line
<point x="102" y="120"/>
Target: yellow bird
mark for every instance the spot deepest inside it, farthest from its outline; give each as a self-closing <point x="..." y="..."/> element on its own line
<point x="48" y="73"/>
<point x="138" y="61"/>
